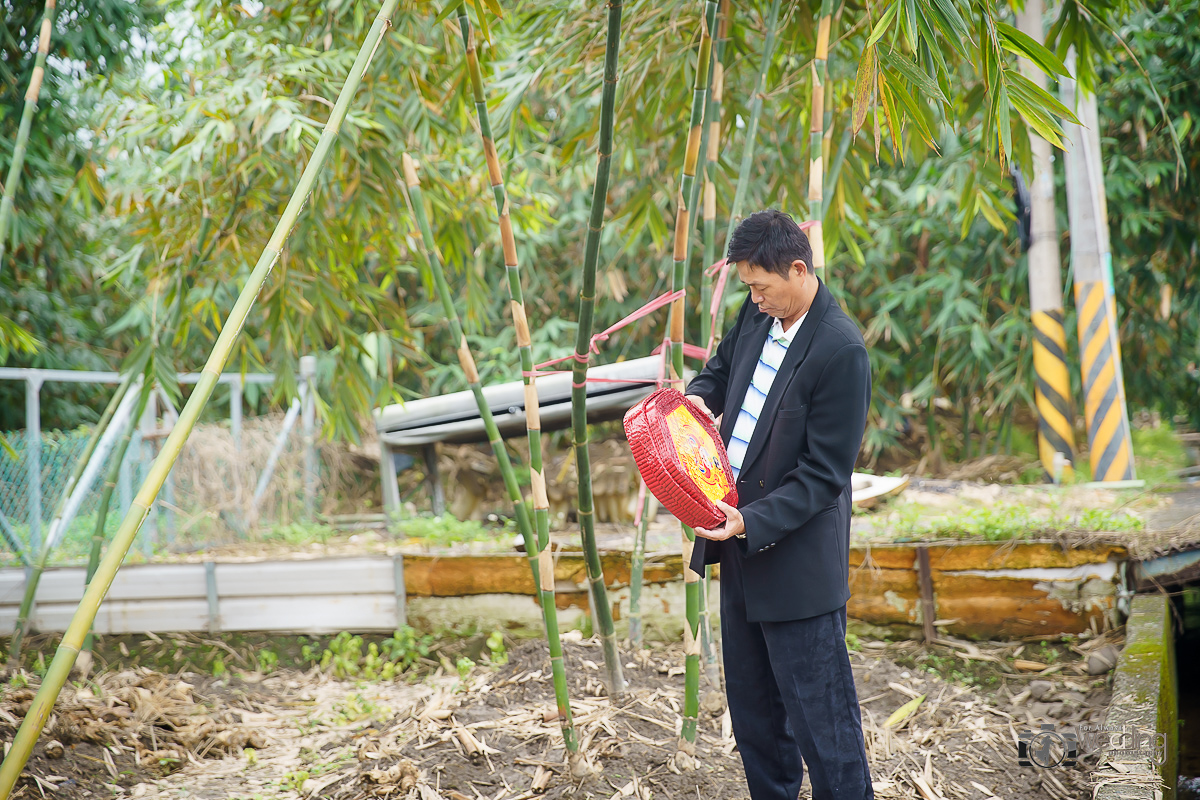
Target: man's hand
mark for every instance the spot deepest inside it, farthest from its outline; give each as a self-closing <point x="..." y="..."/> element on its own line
<point x="734" y="524"/>
<point x="703" y="405"/>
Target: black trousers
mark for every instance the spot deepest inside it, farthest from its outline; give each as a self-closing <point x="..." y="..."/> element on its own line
<point x="792" y="700"/>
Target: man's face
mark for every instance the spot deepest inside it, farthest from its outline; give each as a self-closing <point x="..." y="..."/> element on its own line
<point x="774" y="294"/>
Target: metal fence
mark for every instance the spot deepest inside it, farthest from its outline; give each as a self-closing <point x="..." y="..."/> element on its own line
<point x="231" y="476"/>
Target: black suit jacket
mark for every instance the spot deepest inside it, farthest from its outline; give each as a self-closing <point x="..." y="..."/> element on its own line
<point x="794" y="486"/>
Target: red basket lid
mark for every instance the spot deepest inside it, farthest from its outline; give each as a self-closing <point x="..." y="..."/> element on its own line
<point x="680" y="455"/>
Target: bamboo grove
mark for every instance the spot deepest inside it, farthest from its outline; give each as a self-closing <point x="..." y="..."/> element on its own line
<point x="915" y="77"/>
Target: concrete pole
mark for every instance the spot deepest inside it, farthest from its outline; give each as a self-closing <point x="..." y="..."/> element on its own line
<point x="235" y="430"/>
<point x="308" y="374"/>
<point x="146" y="426"/>
<point x="387" y="474"/>
<point x="235" y="413"/>
<point x="1109" y="443"/>
<point x="1056" y="436"/>
<point x="1095" y="164"/>
<point x="33" y="460"/>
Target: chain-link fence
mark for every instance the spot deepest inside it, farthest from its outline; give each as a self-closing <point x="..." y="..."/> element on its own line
<point x="19" y="513"/>
<point x="234" y="480"/>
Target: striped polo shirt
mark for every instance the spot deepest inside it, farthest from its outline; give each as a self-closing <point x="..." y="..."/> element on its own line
<point x="769" y="361"/>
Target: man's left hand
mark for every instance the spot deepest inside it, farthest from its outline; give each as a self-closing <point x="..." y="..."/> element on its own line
<point x="734" y="524"/>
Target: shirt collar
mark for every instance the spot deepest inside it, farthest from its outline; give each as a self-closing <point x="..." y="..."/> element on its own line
<point x="785" y="337"/>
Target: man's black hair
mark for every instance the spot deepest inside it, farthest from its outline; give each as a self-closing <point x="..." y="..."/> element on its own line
<point x="770" y="240"/>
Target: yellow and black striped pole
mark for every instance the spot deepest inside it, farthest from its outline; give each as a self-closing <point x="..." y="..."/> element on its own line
<point x="1108" y="427"/>
<point x="1110" y="447"/>
<point x="1052" y="392"/>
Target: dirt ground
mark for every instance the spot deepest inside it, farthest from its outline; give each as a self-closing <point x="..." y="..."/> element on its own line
<point x="482" y="734"/>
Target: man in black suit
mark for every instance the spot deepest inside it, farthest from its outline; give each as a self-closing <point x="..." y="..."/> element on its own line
<point x="792" y="383"/>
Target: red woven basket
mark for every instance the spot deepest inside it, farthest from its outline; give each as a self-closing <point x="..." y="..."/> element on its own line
<point x="679" y="452"/>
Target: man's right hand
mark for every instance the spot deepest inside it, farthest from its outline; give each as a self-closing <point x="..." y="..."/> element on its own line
<point x="703" y="406"/>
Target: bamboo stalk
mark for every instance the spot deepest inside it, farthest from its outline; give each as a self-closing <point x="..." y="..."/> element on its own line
<point x="712" y="153"/>
<point x="691" y="629"/>
<point x="467" y="362"/>
<point x="81" y="622"/>
<point x="816" y="140"/>
<point x="31" y="101"/>
<point x="756" y="104"/>
<point x="533" y="424"/>
<point x="587" y="302"/>
<point x="827" y="140"/>
<point x="712" y="149"/>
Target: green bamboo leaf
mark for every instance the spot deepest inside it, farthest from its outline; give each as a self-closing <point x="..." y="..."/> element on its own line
<point x="925" y="84"/>
<point x="1041" y="122"/>
<point x="889" y="111"/>
<point x="989" y="213"/>
<point x="916" y="113"/>
<point x="494" y="5"/>
<point x="884" y="21"/>
<point x="932" y="47"/>
<point x="864" y="86"/>
<point x="445" y="13"/>
<point x="1021" y="43"/>
<point x="483" y="23"/>
<point x="1039" y="97"/>
<point x="1003" y="112"/>
<point x="905" y="711"/>
<point x="908" y="23"/>
<point x="951" y="24"/>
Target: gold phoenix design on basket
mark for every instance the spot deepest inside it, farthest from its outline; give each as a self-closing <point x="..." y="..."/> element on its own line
<point x="698" y="454"/>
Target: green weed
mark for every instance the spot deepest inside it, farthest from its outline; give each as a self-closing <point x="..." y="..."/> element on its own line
<point x="345" y="657"/>
<point x="447" y="530"/>
<point x="497" y="652"/>
<point x="299" y="533"/>
<point x="356" y="708"/>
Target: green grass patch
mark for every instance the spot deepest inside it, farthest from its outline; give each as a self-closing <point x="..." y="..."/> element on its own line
<point x="1158" y="454"/>
<point x="1007" y="521"/>
<point x="447" y="530"/>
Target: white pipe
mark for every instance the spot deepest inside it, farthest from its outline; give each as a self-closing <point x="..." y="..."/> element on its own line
<point x="264" y="480"/>
<point x="116" y="428"/>
<point x="95" y="376"/>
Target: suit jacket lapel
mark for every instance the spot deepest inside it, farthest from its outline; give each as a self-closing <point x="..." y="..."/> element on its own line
<point x="796" y="352"/>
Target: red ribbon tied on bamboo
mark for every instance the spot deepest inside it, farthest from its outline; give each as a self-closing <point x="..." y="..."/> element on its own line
<point x="679" y="453"/>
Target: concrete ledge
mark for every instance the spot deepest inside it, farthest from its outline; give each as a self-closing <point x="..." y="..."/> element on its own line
<point x="1144" y="700"/>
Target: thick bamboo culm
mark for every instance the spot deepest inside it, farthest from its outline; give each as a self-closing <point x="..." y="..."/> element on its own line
<point x="22" y="142"/>
<point x="467" y="361"/>
<point x="816" y="139"/>
<point x="64" y="658"/>
<point x="691" y="628"/>
<point x="537" y="474"/>
<point x="712" y="148"/>
<point x="747" y="164"/>
<point x="712" y="153"/>
<point x="587" y="305"/>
